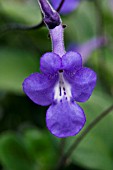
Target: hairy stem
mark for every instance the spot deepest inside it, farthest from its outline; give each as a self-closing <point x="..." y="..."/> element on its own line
<point x="57" y="39"/>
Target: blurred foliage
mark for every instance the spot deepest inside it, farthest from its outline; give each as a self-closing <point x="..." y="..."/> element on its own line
<point x="25" y="142"/>
<point x="13" y="153"/>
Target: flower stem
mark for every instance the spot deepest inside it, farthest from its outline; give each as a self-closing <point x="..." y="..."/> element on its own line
<point x="15" y="26"/>
<point x="60" y="6"/>
<point x="57" y="39"/>
<point x="66" y="155"/>
<point x="62" y="146"/>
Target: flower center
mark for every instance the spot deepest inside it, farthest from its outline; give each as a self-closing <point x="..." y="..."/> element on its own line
<point x="62" y="89"/>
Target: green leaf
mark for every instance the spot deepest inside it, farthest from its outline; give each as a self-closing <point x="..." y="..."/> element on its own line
<point x="24" y="10"/>
<point x="42" y="148"/>
<point x="95" y="150"/>
<point x="14" y="155"/>
<point x="81" y="23"/>
<point x="15" y="66"/>
<point x="105" y="69"/>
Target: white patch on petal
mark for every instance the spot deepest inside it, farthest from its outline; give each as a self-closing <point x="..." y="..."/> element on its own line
<point x="62" y="89"/>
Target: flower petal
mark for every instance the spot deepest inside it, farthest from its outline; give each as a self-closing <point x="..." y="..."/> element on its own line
<point x="50" y="63"/>
<point x="39" y="88"/>
<point x="82" y="83"/>
<point x="71" y="61"/>
<point x="67" y="7"/>
<point x="65" y="119"/>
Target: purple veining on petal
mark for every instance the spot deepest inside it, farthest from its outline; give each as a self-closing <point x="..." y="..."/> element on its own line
<point x="82" y="83"/>
<point x="65" y="119"/>
<point x="88" y="47"/>
<point x="67" y="7"/>
<point x="39" y="88"/>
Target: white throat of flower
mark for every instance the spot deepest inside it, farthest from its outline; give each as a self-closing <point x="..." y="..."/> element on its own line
<point x="62" y="89"/>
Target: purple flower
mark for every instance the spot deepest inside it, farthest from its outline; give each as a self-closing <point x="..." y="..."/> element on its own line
<point x="67" y="7"/>
<point x="62" y="81"/>
<point x="85" y="49"/>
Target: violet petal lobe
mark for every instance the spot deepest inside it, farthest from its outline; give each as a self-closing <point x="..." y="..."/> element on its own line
<point x="50" y="63"/>
<point x="82" y="83"/>
<point x="65" y="119"/>
<point x="67" y="7"/>
<point x="71" y="61"/>
<point x="39" y="88"/>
